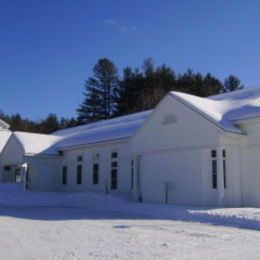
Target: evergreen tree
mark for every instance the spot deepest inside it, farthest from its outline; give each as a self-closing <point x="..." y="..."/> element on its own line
<point x="126" y="95"/>
<point x="199" y="85"/>
<point x="211" y="86"/>
<point x="232" y="83"/>
<point x="16" y="122"/>
<point x="50" y="124"/>
<point x="190" y="82"/>
<point x="106" y="96"/>
<point x="99" y="93"/>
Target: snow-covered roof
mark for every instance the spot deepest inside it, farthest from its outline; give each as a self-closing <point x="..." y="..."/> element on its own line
<point x="4" y="137"/>
<point x="37" y="144"/>
<point x="4" y="125"/>
<point x="108" y="130"/>
<point x="104" y="123"/>
<point x="225" y="109"/>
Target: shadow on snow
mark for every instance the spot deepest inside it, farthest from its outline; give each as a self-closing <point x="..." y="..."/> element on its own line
<point x="53" y="213"/>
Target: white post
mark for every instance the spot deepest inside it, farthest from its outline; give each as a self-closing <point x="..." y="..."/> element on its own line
<point x="23" y="175"/>
<point x="220" y="177"/>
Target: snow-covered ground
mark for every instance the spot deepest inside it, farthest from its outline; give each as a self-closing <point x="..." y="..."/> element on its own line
<point x="96" y="226"/>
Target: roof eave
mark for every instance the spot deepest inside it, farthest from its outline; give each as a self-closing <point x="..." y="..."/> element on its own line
<point x="247" y="120"/>
<point x="41" y="155"/>
<point x="78" y="146"/>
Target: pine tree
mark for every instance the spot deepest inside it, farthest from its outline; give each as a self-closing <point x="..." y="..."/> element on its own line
<point x="211" y="86"/>
<point x="50" y="124"/>
<point x="99" y="93"/>
<point x="126" y="96"/>
<point x="232" y="83"/>
<point x="90" y="109"/>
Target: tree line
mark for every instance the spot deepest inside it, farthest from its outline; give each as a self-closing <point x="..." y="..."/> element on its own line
<point x="48" y="125"/>
<point x="106" y="94"/>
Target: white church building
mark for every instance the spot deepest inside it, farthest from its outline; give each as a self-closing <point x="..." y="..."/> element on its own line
<point x="187" y="151"/>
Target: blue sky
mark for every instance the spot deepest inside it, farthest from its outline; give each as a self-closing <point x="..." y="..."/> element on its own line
<point x="48" y="47"/>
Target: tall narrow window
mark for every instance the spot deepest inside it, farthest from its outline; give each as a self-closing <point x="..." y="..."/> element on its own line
<point x="224" y="169"/>
<point x="214" y="168"/>
<point x="113" y="179"/>
<point x="80" y="158"/>
<point x="114" y="170"/>
<point x="114" y="155"/>
<point x="95" y="173"/>
<point x="18" y="177"/>
<point x="79" y="174"/>
<point x="132" y="175"/>
<point x="64" y="175"/>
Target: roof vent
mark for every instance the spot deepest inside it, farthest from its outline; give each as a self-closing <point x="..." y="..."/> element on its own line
<point x="170" y="119"/>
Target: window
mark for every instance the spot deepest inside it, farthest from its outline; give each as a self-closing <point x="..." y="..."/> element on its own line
<point x="18" y="177"/>
<point x="79" y="174"/>
<point x="7" y="168"/>
<point x="80" y="158"/>
<point x="64" y="175"/>
<point x="114" y="169"/>
<point x="114" y="164"/>
<point x="114" y="155"/>
<point x="113" y="179"/>
<point x="132" y="175"/>
<point x="214" y="154"/>
<point x="95" y="173"/>
<point x="214" y="168"/>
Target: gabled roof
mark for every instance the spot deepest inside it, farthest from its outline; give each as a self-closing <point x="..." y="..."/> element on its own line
<point x="4" y="125"/>
<point x="224" y="109"/>
<point x="37" y="144"/>
<point x="4" y="137"/>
